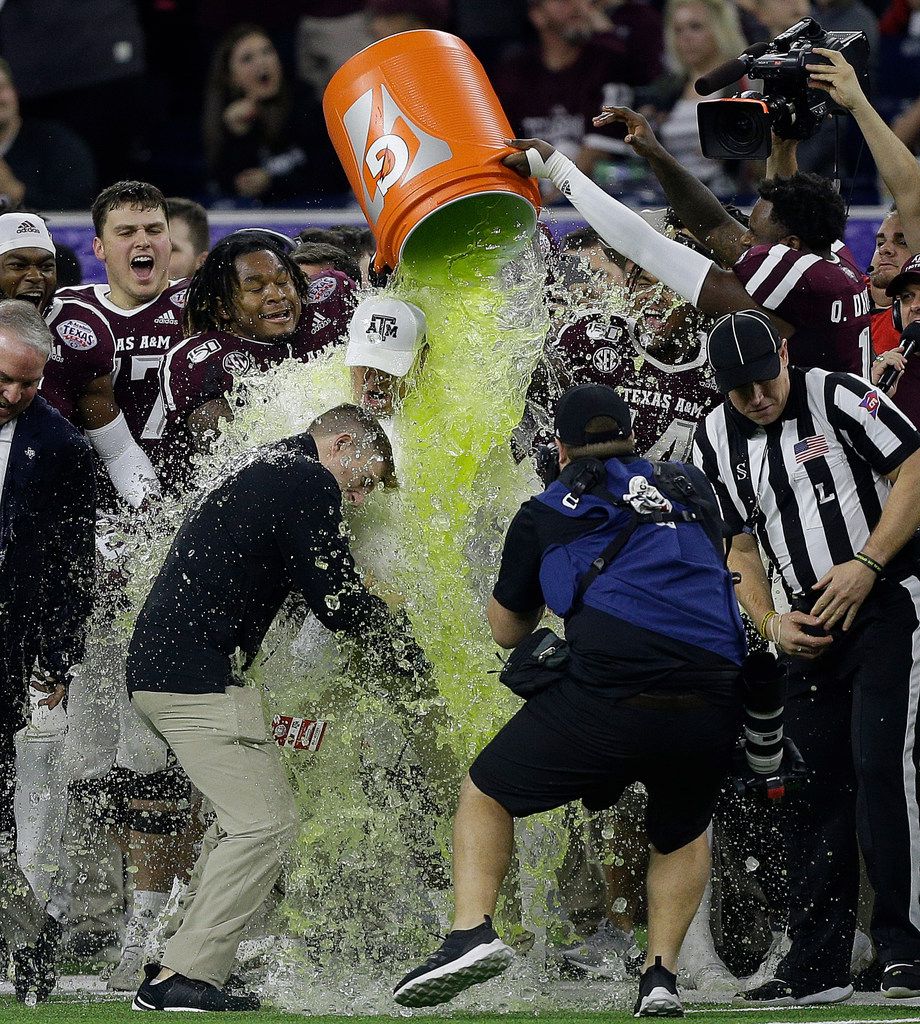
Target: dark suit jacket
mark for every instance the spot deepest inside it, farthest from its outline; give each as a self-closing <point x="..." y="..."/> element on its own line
<point x="47" y="572"/>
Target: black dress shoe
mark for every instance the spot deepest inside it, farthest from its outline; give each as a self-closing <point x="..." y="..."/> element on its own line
<point x="178" y="993"/>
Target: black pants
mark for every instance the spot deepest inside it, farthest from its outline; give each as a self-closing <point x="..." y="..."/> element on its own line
<point x="853" y="714"/>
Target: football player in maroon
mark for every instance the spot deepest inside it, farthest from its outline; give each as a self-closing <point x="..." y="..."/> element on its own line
<point x="249" y="308"/>
<point x="138" y="302"/>
<point x="786" y="261"/>
<point x="78" y="375"/>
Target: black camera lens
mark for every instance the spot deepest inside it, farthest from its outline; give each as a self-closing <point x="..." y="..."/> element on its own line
<point x="734" y="129"/>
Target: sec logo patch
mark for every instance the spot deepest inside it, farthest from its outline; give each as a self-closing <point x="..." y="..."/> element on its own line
<point x="238" y="362"/>
<point x="179" y="298"/>
<point x="77" y="334"/>
<point x="605" y="359"/>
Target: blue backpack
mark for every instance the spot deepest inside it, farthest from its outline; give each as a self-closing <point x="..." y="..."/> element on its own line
<point x="655" y="558"/>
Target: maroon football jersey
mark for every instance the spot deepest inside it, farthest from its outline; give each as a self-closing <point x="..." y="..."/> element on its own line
<point x="324" y="320"/>
<point x="205" y="367"/>
<point x="667" y="401"/>
<point x="143" y="337"/>
<point x="82" y="350"/>
<point x="826" y="301"/>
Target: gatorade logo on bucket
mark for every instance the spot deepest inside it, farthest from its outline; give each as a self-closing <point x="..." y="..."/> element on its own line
<point x="388" y="146"/>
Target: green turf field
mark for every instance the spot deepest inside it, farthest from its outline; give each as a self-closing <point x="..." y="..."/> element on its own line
<point x="109" y="1012"/>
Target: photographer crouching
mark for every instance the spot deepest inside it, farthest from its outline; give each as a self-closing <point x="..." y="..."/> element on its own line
<point x="821" y="471"/>
<point x="630" y="554"/>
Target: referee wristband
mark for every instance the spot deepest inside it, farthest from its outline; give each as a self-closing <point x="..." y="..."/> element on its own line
<point x="878" y="569"/>
<point x="764" y="622"/>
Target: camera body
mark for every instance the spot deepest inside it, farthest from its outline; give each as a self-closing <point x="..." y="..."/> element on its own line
<point x="738" y="128"/>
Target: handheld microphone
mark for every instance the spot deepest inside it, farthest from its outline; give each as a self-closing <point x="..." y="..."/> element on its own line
<point x="909" y="339"/>
<point x="725" y="74"/>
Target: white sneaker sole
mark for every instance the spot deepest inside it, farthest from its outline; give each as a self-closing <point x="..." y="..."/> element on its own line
<point x="660" y="1003"/>
<point x="443" y="983"/>
<point x="141" y="1005"/>
<point x="840" y="994"/>
<point x="900" y="993"/>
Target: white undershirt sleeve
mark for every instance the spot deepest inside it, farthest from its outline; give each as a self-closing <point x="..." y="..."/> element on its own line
<point x="128" y="467"/>
<point x="681" y="269"/>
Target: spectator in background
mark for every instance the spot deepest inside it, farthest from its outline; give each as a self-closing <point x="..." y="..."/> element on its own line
<point x="43" y="164"/>
<point x="327" y="36"/>
<point x="489" y="28"/>
<point x="265" y="138"/>
<point x="387" y="17"/>
<point x="777" y="15"/>
<point x="190" y="236"/>
<point x="83" y="64"/>
<point x="552" y="89"/>
<point x="699" y="35"/>
<point x="316" y="257"/>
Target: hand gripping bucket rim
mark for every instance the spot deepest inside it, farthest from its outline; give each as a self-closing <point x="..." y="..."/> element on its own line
<point x="411" y="153"/>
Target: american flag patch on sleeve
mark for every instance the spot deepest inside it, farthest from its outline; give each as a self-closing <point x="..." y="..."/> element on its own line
<point x="810" y="448"/>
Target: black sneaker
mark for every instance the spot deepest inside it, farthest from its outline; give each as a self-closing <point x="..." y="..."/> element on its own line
<point x="901" y="980"/>
<point x="34" y="972"/>
<point x="782" y="993"/>
<point x="658" y="995"/>
<point x="180" y="994"/>
<point x="466" y="958"/>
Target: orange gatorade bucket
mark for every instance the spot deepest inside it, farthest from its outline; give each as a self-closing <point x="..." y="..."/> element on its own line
<point x="420" y="133"/>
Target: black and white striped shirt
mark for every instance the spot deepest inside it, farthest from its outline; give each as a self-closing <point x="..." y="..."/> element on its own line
<point x="812" y="485"/>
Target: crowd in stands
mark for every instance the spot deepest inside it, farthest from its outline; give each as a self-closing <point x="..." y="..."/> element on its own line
<point x="211" y="102"/>
<point x="169" y="110"/>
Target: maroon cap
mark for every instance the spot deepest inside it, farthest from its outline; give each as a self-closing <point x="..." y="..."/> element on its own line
<point x="909" y="272"/>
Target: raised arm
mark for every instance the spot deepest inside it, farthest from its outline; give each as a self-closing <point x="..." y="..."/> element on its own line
<point x="695" y="205"/>
<point x="694" y="277"/>
<point x="897" y="165"/>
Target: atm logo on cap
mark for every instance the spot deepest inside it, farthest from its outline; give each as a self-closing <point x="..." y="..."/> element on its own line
<point x="389" y="148"/>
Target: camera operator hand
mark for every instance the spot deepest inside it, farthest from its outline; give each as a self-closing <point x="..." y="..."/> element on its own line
<point x="639" y="132"/>
<point x="845" y="588"/>
<point x="790" y="637"/>
<point x="837" y="78"/>
<point x="893" y="357"/>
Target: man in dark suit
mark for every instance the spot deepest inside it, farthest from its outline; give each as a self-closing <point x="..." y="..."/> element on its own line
<point x="47" y="514"/>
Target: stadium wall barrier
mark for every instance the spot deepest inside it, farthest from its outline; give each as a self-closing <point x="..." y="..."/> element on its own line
<point x="76" y="230"/>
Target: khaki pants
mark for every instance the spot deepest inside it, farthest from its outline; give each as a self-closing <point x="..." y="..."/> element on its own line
<point x="222" y="743"/>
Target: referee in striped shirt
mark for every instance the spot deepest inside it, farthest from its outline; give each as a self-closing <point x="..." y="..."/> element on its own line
<point x="822" y="472"/>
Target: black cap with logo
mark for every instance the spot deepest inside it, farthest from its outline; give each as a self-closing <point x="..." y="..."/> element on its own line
<point x="909" y="272"/>
<point x="744" y="347"/>
<point x="578" y="406"/>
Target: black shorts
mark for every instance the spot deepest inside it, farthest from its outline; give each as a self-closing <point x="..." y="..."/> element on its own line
<point x="569" y="743"/>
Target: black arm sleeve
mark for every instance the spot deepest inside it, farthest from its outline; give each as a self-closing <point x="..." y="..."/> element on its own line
<point x="67" y="584"/>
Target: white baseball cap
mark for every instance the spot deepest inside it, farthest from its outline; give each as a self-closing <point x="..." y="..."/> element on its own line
<point x="24" y="231"/>
<point x="385" y="333"/>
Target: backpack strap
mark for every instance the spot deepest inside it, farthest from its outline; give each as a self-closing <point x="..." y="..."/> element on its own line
<point x="604" y="559"/>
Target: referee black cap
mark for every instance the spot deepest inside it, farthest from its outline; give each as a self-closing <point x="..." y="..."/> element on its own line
<point x="744" y="347"/>
<point x="578" y="406"/>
